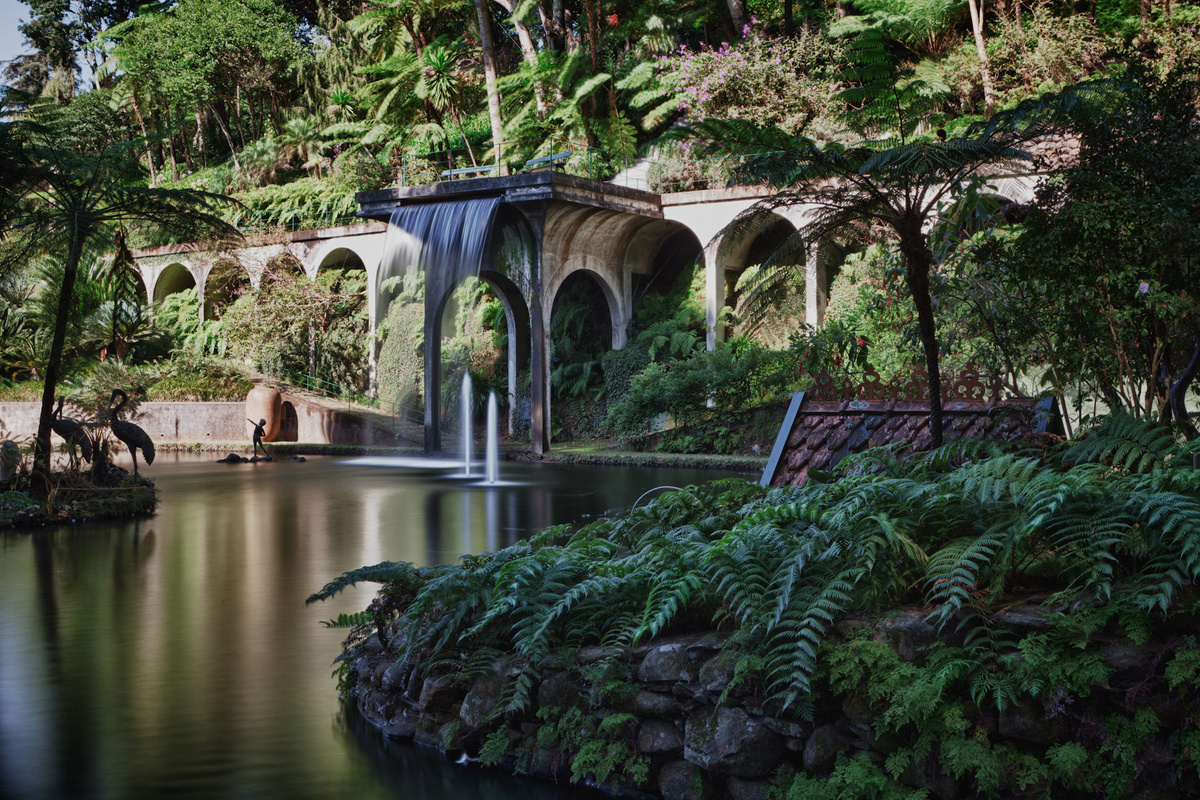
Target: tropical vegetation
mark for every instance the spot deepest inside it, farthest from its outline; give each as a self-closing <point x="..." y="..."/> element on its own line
<point x="1104" y="531"/>
<point x="291" y="108"/>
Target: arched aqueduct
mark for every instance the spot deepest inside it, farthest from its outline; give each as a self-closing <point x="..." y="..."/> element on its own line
<point x="548" y="228"/>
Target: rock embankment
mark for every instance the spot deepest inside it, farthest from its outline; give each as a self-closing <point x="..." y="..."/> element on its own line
<point x="674" y="718"/>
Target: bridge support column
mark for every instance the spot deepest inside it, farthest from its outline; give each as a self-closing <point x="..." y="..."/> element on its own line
<point x="539" y="343"/>
<point x="714" y="295"/>
<point x="433" y="378"/>
<point x="814" y="286"/>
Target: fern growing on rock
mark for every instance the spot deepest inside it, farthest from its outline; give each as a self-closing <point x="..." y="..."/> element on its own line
<point x="962" y="529"/>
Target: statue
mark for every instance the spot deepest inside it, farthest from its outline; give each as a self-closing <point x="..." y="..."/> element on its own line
<point x="260" y="429"/>
<point x="10" y="459"/>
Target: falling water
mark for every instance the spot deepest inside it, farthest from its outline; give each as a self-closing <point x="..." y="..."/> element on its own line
<point x="447" y="239"/>
<point x="493" y="450"/>
<point x="466" y="424"/>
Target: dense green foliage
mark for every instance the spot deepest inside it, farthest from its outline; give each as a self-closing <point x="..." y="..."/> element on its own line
<point x="1113" y="518"/>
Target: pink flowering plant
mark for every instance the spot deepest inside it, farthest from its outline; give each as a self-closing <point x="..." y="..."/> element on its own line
<point x="782" y="82"/>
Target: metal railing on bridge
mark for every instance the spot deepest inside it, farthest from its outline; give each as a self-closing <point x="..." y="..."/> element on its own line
<point x="660" y="175"/>
<point x="314" y="386"/>
<point x="268" y="223"/>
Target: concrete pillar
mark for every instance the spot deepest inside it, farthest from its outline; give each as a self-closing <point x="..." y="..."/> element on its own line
<point x="372" y="326"/>
<point x="200" y="286"/>
<point x="539" y="344"/>
<point x="433" y="371"/>
<point x="714" y="294"/>
<point x="814" y="286"/>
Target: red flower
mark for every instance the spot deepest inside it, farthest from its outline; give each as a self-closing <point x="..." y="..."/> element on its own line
<point x="861" y="342"/>
<point x="612" y="20"/>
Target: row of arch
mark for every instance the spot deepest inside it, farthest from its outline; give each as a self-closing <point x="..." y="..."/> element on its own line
<point x="534" y="249"/>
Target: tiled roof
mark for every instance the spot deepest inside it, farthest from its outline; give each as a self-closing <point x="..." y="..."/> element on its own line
<point x="817" y="434"/>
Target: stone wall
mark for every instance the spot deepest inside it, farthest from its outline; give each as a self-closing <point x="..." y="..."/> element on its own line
<point x="697" y="746"/>
<point x="164" y="422"/>
<point x="221" y="423"/>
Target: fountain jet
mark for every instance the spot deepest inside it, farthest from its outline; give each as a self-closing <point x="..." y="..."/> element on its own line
<point x="492" y="474"/>
<point x="466" y="424"/>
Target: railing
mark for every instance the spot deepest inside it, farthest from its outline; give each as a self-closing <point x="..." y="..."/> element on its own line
<point x="660" y="175"/>
<point x="265" y="223"/>
<point x="312" y="385"/>
<point x="459" y="163"/>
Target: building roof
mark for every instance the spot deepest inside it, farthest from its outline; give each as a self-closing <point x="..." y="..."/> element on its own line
<point x="820" y="429"/>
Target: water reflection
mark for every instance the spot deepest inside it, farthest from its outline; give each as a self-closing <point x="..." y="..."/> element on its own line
<point x="174" y="656"/>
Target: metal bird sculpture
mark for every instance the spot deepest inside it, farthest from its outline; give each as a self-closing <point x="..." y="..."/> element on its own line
<point x="10" y="459"/>
<point x="72" y="433"/>
<point x="134" y="437"/>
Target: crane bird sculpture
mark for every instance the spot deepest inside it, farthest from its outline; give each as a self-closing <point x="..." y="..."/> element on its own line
<point x="134" y="437"/>
<point x="73" y="434"/>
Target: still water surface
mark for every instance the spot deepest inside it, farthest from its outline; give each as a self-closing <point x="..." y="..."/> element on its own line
<point x="174" y="656"/>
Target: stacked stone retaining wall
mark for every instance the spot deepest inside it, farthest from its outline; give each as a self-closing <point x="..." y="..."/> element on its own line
<point x="703" y="736"/>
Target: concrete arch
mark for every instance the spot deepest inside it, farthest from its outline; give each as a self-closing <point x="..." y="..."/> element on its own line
<point x="172" y="278"/>
<point x="516" y="320"/>
<point x="731" y="250"/>
<point x="1017" y="189"/>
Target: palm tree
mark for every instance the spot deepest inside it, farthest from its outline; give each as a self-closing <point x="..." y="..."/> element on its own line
<point x="301" y="139"/>
<point x="74" y="198"/>
<point x="441" y="85"/>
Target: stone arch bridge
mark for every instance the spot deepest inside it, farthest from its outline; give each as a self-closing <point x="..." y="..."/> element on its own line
<point x="548" y="226"/>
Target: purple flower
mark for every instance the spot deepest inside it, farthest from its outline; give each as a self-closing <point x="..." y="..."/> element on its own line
<point x="1143" y="288"/>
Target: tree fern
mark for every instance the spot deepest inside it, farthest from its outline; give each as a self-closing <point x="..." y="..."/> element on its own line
<point x="1134" y="444"/>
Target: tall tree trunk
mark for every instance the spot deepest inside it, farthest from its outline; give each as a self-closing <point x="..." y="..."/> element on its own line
<point x="187" y="150"/>
<point x="985" y="74"/>
<point x="488" y="46"/>
<point x="737" y="12"/>
<point x="1177" y="396"/>
<point x="593" y="24"/>
<point x="237" y="114"/>
<point x="528" y="52"/>
<point x="200" y="140"/>
<point x="142" y="124"/>
<point x="918" y="264"/>
<point x="789" y="27"/>
<point x="41" y="451"/>
<point x="171" y="143"/>
<point x="228" y="138"/>
<point x="1020" y="24"/>
<point x="559" y="14"/>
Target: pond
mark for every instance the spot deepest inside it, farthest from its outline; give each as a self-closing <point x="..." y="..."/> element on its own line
<point x="173" y="656"/>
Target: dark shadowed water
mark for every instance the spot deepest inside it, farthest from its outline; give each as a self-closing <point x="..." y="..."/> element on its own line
<point x="173" y="657"/>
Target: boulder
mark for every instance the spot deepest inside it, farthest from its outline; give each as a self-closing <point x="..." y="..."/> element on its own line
<point x="731" y="742"/>
<point x="477" y="706"/>
<point x="439" y="692"/>
<point x="656" y="736"/>
<point x="666" y="663"/>
<point x="821" y="748"/>
<point x="716" y="673"/>
<point x="680" y="780"/>
<point x="656" y="704"/>
<point x="742" y="789"/>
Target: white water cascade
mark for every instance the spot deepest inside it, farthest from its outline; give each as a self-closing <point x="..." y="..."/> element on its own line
<point x="492" y="474"/>
<point x="447" y="240"/>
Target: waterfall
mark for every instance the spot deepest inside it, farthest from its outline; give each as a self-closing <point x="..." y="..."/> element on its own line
<point x="446" y="239"/>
